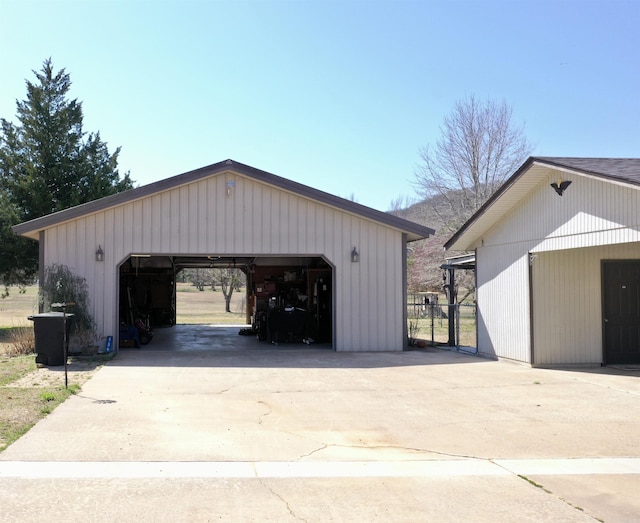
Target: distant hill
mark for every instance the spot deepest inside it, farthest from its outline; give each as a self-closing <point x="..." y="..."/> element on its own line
<point x="426" y="256"/>
<point x="424" y="212"/>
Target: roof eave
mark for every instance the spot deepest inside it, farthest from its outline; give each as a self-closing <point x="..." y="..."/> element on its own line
<point x="450" y="244"/>
<point x="459" y="241"/>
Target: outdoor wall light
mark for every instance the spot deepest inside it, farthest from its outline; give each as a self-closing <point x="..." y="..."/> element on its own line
<point x="560" y="186"/>
<point x="230" y="185"/>
<point x="99" y="254"/>
<point x="355" y="256"/>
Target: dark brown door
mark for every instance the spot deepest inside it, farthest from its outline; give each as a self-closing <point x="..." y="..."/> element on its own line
<point x="621" y="304"/>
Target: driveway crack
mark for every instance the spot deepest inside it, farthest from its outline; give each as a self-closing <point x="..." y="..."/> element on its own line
<point x="546" y="491"/>
<point x="264" y="414"/>
<point x="284" y="501"/>
<point x="386" y="447"/>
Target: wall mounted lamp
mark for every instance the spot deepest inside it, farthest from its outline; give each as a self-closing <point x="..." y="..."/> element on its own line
<point x="560" y="186"/>
<point x="355" y="256"/>
<point x="99" y="254"/>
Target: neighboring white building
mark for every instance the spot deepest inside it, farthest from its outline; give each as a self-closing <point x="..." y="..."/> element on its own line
<point x="292" y="241"/>
<point x="558" y="276"/>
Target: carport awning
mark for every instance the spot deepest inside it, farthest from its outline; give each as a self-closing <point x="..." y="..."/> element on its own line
<point x="467" y="261"/>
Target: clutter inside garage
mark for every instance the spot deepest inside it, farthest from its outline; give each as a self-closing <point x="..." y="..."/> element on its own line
<point x="292" y="303"/>
<point x="289" y="300"/>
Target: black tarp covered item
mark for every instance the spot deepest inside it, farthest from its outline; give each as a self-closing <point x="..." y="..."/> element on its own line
<point x="287" y="324"/>
<point x="49" y="333"/>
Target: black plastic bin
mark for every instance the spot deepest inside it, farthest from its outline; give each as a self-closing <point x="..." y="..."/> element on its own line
<point x="49" y="334"/>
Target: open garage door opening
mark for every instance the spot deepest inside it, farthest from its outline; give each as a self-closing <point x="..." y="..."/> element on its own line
<point x="208" y="296"/>
<point x="276" y="299"/>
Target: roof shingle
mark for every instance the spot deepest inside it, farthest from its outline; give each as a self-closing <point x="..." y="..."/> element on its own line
<point x="619" y="168"/>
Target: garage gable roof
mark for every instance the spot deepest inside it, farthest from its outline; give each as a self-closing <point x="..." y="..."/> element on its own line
<point x="528" y="176"/>
<point x="413" y="230"/>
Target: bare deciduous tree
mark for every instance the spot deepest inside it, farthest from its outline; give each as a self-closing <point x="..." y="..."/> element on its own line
<point x="424" y="260"/>
<point x="230" y="280"/>
<point x="478" y="149"/>
<point x="400" y="206"/>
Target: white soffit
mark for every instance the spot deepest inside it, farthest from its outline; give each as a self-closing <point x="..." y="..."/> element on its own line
<point x="511" y="196"/>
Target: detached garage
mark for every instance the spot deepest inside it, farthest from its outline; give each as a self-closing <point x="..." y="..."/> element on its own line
<point x="340" y="265"/>
<point x="558" y="263"/>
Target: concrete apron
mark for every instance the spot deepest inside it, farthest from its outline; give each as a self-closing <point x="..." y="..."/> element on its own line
<point x="213" y="426"/>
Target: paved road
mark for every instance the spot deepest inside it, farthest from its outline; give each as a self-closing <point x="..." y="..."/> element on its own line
<point x="305" y="434"/>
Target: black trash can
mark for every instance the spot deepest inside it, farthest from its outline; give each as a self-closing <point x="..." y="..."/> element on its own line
<point x="49" y="335"/>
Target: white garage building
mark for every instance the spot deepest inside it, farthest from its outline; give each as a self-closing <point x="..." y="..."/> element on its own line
<point x="343" y="263"/>
<point x="558" y="263"/>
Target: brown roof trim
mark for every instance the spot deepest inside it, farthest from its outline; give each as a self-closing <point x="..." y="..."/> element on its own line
<point x="615" y="169"/>
<point x="416" y="230"/>
<point x="489" y="202"/>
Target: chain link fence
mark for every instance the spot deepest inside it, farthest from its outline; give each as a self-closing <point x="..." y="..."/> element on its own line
<point x="428" y="321"/>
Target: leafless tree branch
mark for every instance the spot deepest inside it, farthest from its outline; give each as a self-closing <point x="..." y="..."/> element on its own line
<point x="478" y="149"/>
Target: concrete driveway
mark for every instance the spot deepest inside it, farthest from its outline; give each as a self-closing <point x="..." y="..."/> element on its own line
<point x="292" y="433"/>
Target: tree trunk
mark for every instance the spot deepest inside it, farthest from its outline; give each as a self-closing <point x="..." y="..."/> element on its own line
<point x="227" y="299"/>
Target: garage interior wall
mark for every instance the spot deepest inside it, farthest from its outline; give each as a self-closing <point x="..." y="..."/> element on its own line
<point x="230" y="214"/>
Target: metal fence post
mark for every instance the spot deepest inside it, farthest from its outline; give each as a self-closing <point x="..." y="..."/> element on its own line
<point x="432" y="310"/>
<point x="457" y="313"/>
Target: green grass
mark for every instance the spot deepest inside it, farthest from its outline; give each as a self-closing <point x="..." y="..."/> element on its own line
<point x="18" y="306"/>
<point x="48" y="396"/>
<point x="23" y="407"/>
<point x="537" y="485"/>
<point x="183" y="287"/>
<point x="14" y="313"/>
<point x="12" y="369"/>
<point x="440" y="327"/>
<point x="208" y="307"/>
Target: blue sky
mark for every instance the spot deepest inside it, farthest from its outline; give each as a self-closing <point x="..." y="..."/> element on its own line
<point x="338" y="95"/>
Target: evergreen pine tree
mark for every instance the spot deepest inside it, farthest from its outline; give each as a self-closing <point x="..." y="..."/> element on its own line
<point x="47" y="164"/>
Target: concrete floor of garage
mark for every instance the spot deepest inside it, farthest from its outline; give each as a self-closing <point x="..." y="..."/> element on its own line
<point x="215" y="426"/>
<point x="215" y="338"/>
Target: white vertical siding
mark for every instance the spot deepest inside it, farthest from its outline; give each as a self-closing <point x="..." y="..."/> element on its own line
<point x="503" y="303"/>
<point x="369" y="293"/>
<point x="568" y="236"/>
<point x="591" y="212"/>
<point x="255" y="219"/>
<point x="567" y="288"/>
